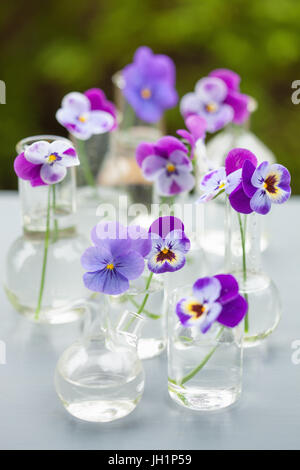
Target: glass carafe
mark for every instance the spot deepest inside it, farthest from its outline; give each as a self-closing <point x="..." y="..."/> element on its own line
<point x="243" y="260"/>
<point x="100" y="378"/>
<point x="204" y="370"/>
<point x="45" y="287"/>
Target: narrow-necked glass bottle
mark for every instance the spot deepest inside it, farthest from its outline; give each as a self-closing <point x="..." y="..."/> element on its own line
<point x="43" y="275"/>
<point x="100" y="378"/>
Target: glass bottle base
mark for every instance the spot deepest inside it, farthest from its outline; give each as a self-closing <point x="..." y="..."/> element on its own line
<point x="50" y="316"/>
<point x="100" y="411"/>
<point x="150" y="347"/>
<point x="204" y="399"/>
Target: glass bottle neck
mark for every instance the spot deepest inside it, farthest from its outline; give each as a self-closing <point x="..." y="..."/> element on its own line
<point x="243" y="234"/>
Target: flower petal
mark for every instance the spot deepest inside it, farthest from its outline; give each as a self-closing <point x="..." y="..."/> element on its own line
<point x="144" y="149"/>
<point x="236" y="158"/>
<point x="98" y="101"/>
<point x="207" y="289"/>
<point x="164" y="225"/>
<point x="180" y="158"/>
<point x="167" y="145"/>
<point x="233" y="312"/>
<point x="37" y="152"/>
<point x="178" y="241"/>
<point x="100" y="122"/>
<point x="259" y="175"/>
<point x="233" y="180"/>
<point x="96" y="258"/>
<point x="108" y="281"/>
<point x="239" y="104"/>
<point x="182" y="311"/>
<point x="159" y="267"/>
<point x="190" y="104"/>
<point x="212" y="315"/>
<point x="229" y="287"/>
<point x="131" y="265"/>
<point x="248" y="171"/>
<point x="240" y="201"/>
<point x="141" y="241"/>
<point x="212" y="180"/>
<point x="54" y="173"/>
<point x="77" y="103"/>
<point x="28" y="171"/>
<point x="197" y="126"/>
<point x="66" y="151"/>
<point x="152" y="165"/>
<point x="211" y="89"/>
<point x="231" y="78"/>
<point x="260" y="202"/>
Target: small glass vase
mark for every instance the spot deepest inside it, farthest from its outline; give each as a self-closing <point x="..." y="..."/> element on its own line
<point x="121" y="170"/>
<point x="243" y="260"/>
<point x="100" y="378"/>
<point x="146" y="298"/>
<point x="43" y="274"/>
<point x="204" y="370"/>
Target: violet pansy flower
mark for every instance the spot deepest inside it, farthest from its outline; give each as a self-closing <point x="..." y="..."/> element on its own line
<point x="167" y="164"/>
<point x="149" y="84"/>
<point x="44" y="163"/>
<point x="217" y="99"/>
<point x="169" y="245"/>
<point x="196" y="132"/>
<point x="86" y="114"/>
<point x="214" y="298"/>
<point x="116" y="258"/>
<point x="217" y="181"/>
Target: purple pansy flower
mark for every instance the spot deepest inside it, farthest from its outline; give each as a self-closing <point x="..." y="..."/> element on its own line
<point x="167" y="164"/>
<point x="196" y="126"/>
<point x="45" y="163"/>
<point x="214" y="298"/>
<point x="217" y="180"/>
<point x="217" y="99"/>
<point x="116" y="258"/>
<point x="149" y="84"/>
<point x="169" y="245"/>
<point x="260" y="186"/>
<point x="86" y="114"/>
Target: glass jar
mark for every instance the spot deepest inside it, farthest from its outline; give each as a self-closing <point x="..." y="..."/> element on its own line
<point x="204" y="370"/>
<point x="43" y="274"/>
<point x="100" y="378"/>
<point x="243" y="260"/>
<point x="121" y="170"/>
<point x="145" y="298"/>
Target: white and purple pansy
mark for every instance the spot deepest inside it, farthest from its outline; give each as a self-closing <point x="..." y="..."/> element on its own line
<point x="167" y="164"/>
<point x="84" y="115"/>
<point x="214" y="298"/>
<point x="169" y="245"/>
<point x="44" y="163"/>
<point x="207" y="101"/>
<point x="217" y="181"/>
<point x="116" y="258"/>
<point x="271" y="184"/>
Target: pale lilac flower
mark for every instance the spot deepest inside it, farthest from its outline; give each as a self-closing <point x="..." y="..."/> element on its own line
<point x="216" y="181"/>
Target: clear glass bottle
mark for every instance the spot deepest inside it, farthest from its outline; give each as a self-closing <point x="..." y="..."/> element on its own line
<point x="100" y="378"/>
<point x="47" y="303"/>
<point x="120" y="169"/>
<point x="147" y="300"/>
<point x="204" y="370"/>
<point x="243" y="260"/>
<point x="217" y="149"/>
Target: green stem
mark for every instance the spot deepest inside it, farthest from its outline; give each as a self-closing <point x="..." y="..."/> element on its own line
<point x="55" y="234"/>
<point x="146" y="312"/>
<point x="89" y="178"/>
<point x="243" y="240"/>
<point x="46" y="245"/>
<point x="141" y="308"/>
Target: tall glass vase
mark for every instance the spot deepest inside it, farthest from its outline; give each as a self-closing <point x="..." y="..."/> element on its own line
<point x="204" y="370"/>
<point x="121" y="170"/>
<point x="100" y="378"/>
<point x="43" y="275"/>
<point x="243" y="260"/>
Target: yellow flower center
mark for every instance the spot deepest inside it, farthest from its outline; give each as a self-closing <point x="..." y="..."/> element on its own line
<point x="211" y="107"/>
<point x="146" y="93"/>
<point x="171" y="168"/>
<point x="82" y="118"/>
<point x="52" y="158"/>
<point x="110" y="266"/>
<point x="165" y="251"/>
<point x="222" y="185"/>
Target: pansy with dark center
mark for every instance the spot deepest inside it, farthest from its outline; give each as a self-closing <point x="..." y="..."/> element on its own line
<point x="169" y="245"/>
<point x="214" y="298"/>
<point x="45" y="163"/>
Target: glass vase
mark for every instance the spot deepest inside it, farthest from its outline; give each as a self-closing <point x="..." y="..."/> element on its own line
<point x="243" y="260"/>
<point x="121" y="170"/>
<point x="146" y="298"/>
<point x="43" y="274"/>
<point x="100" y="377"/>
<point x="204" y="370"/>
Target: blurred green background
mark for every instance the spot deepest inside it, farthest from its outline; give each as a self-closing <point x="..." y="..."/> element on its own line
<point x="53" y="47"/>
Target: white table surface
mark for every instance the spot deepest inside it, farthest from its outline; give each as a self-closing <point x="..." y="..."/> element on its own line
<point x="266" y="417"/>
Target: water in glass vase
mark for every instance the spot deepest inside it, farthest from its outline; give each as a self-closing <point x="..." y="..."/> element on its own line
<point x="101" y="378"/>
